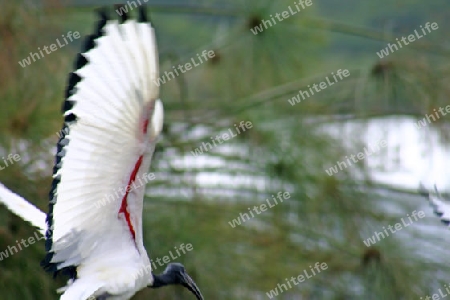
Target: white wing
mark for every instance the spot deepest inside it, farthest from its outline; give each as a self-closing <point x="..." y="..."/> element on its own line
<point x="440" y="207"/>
<point x="112" y="120"/>
<point x="23" y="209"/>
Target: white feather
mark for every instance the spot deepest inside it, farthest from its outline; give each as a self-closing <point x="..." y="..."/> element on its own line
<point x="23" y="209"/>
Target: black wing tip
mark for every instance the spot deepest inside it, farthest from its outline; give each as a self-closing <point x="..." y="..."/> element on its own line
<point x="89" y="43"/>
<point x="81" y="61"/>
<point x="46" y="262"/>
<point x="67" y="105"/>
<point x="98" y="32"/>
<point x="103" y="13"/>
<point x="122" y="11"/>
<point x="73" y="80"/>
<point x="104" y="18"/>
<point x="143" y="16"/>
<point x="48" y="266"/>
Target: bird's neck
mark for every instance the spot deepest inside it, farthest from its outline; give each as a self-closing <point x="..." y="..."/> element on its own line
<point x="160" y="280"/>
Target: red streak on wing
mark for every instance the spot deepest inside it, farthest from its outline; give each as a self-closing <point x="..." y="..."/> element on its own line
<point x="145" y="125"/>
<point x="123" y="207"/>
<point x="147" y="117"/>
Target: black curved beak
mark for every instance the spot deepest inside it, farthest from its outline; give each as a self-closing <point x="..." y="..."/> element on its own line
<point x="190" y="285"/>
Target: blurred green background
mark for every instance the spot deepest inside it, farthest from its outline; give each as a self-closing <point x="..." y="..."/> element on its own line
<point x="251" y="78"/>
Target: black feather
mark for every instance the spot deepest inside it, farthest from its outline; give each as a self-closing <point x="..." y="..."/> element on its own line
<point x="142" y="18"/>
<point x="123" y="15"/>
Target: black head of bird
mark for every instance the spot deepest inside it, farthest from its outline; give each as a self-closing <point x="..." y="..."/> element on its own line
<point x="175" y="273"/>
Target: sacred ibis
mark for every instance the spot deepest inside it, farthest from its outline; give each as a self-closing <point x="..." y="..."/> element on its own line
<point x="112" y="119"/>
